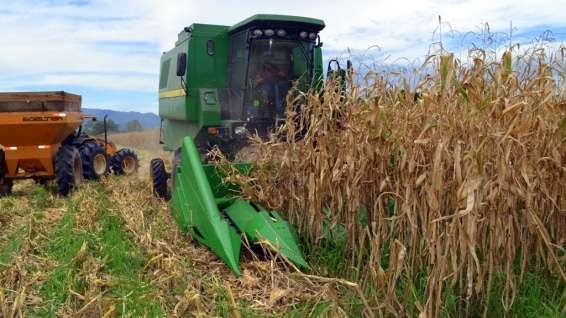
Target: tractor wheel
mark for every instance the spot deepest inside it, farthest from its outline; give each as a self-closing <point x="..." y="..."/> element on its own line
<point x="159" y="178"/>
<point x="5" y="187"/>
<point x="125" y="162"/>
<point x="95" y="163"/>
<point x="68" y="169"/>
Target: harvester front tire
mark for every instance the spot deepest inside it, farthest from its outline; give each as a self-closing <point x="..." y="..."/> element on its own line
<point x="68" y="169"/>
<point x="95" y="161"/>
<point x="159" y="178"/>
<point x="125" y="162"/>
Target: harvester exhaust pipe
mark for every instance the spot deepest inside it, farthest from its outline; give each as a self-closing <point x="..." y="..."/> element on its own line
<point x="105" y="134"/>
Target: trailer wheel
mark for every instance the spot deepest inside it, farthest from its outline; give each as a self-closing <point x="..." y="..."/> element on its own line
<point x="41" y="181"/>
<point x="68" y="169"/>
<point x="125" y="162"/>
<point x="5" y="187"/>
<point x="159" y="178"/>
<point x="95" y="163"/>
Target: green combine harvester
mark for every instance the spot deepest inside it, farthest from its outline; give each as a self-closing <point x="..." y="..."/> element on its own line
<point x="218" y="85"/>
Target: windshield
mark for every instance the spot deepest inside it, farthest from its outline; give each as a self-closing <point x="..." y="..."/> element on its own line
<point x="274" y="67"/>
<point x="262" y="75"/>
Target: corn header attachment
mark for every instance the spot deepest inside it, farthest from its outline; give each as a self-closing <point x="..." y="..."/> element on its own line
<point x="212" y="212"/>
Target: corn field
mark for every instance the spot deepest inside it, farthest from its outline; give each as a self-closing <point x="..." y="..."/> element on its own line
<point x="446" y="180"/>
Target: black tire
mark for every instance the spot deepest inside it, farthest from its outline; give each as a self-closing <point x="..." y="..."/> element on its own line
<point x="159" y="177"/>
<point x="41" y="181"/>
<point x="68" y="169"/>
<point x="5" y="187"/>
<point x="95" y="161"/>
<point x="2" y="164"/>
<point x="125" y="162"/>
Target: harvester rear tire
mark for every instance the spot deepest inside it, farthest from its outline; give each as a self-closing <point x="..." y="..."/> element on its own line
<point x="68" y="169"/>
<point x="95" y="161"/>
<point x="159" y="177"/>
<point x="125" y="162"/>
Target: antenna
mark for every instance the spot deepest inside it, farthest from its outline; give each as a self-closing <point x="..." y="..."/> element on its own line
<point x="440" y="32"/>
<point x="510" y="34"/>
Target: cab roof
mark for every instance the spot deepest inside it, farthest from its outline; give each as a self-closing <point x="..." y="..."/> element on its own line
<point x="313" y="24"/>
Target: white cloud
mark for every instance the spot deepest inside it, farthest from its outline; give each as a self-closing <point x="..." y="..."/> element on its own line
<point x="130" y="83"/>
<point x="94" y="44"/>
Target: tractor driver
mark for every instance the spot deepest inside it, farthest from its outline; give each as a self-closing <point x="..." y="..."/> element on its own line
<point x="267" y="89"/>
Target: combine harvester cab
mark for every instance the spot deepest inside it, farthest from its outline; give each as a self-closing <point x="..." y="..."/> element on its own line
<point x="218" y="85"/>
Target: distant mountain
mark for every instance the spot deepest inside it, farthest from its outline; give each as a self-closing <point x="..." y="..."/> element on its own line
<point x="147" y="120"/>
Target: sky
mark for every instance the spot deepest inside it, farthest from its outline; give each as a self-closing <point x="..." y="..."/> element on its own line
<point x="108" y="50"/>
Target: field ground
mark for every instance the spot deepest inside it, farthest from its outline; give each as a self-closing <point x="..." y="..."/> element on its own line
<point x="112" y="250"/>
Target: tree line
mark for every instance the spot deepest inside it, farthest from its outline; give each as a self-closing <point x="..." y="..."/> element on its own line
<point x="97" y="127"/>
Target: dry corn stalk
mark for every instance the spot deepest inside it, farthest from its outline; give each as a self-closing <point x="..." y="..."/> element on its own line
<point x="459" y="179"/>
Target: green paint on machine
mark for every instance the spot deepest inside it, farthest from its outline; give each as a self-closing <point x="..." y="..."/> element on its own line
<point x="235" y="78"/>
<point x="266" y="227"/>
<point x="211" y="212"/>
<point x="217" y="85"/>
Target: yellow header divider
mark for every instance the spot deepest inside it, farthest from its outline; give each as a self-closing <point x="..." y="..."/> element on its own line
<point x="172" y="93"/>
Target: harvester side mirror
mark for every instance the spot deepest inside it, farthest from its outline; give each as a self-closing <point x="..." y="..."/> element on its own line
<point x="210" y="47"/>
<point x="338" y="73"/>
<point x="318" y="42"/>
<point x="334" y="71"/>
<point x="105" y="131"/>
<point x="181" y="64"/>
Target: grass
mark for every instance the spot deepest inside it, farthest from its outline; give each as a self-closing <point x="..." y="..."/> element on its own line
<point x="540" y="294"/>
<point x="70" y="248"/>
<point x="125" y="263"/>
<point x="113" y="249"/>
<point x="12" y="245"/>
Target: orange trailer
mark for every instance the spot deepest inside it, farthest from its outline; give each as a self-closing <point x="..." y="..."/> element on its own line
<point x="41" y="139"/>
